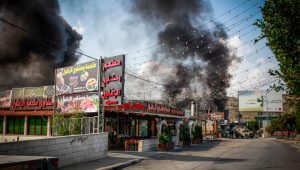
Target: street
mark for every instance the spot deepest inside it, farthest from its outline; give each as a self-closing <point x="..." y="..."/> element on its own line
<point x="228" y="154"/>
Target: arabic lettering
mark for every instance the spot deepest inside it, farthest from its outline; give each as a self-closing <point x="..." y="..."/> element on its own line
<point x="111" y="93"/>
<point x="113" y="63"/>
<point x="109" y="79"/>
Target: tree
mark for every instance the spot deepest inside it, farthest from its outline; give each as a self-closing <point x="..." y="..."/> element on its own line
<point x="280" y="25"/>
<point x="253" y="126"/>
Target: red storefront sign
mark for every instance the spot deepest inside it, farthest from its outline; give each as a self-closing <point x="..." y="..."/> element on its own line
<point x="113" y="70"/>
<point x="146" y="107"/>
<point x="31" y="104"/>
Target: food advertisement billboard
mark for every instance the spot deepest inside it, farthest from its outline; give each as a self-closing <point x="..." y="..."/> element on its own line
<point x="112" y="71"/>
<point x="273" y="101"/>
<point x="77" y="79"/>
<point x="251" y="101"/>
<point x="87" y="103"/>
<point x="5" y="98"/>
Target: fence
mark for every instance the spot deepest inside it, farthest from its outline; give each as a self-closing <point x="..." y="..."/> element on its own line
<point x="73" y="126"/>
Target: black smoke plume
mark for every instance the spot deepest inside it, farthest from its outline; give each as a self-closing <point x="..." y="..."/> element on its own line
<point x="29" y="59"/>
<point x="198" y="54"/>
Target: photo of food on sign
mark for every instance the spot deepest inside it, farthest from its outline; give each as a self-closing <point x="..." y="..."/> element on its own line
<point x="78" y="103"/>
<point x="77" y="79"/>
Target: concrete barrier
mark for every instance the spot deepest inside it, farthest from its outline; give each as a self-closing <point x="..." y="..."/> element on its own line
<point x="69" y="149"/>
<point x="147" y="145"/>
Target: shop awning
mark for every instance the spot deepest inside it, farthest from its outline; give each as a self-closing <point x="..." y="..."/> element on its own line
<point x="153" y="114"/>
<point x="34" y="113"/>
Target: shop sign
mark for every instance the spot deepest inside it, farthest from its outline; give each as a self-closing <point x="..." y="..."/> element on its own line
<point x="77" y="79"/>
<point x="217" y="116"/>
<point x="112" y="71"/>
<point x="140" y="106"/>
<point x="33" y="92"/>
<point x="88" y="102"/>
<point x="5" y="98"/>
<point x="32" y="104"/>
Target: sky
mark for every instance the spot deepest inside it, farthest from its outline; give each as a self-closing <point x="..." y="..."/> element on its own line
<point x="109" y="29"/>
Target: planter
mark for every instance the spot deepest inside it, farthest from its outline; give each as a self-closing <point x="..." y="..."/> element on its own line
<point x="184" y="143"/>
<point x="196" y="141"/>
<point x="165" y="146"/>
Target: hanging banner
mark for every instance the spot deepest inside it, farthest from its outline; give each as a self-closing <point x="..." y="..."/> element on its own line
<point x="112" y="71"/>
<point x="87" y="103"/>
<point x="77" y="79"/>
<point x="250" y="101"/>
<point x="5" y="98"/>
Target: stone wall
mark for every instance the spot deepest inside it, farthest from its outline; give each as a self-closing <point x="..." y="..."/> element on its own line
<point x="69" y="149"/>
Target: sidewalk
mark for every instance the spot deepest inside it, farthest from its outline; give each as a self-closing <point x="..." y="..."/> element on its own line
<point x="114" y="160"/>
<point x="122" y="159"/>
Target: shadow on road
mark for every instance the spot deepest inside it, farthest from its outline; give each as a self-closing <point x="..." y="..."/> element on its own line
<point x="179" y="154"/>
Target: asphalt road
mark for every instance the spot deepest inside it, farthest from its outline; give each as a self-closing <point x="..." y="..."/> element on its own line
<point x="240" y="154"/>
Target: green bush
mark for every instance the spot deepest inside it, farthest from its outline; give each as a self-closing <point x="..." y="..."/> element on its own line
<point x="197" y="132"/>
<point x="63" y="125"/>
<point x="184" y="134"/>
<point x="166" y="136"/>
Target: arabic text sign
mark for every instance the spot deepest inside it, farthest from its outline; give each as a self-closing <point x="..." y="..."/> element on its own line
<point x="5" y="98"/>
<point x="33" y="92"/>
<point x="273" y="101"/>
<point x="88" y="102"/>
<point x="77" y="79"/>
<point x="32" y="104"/>
<point x="251" y="101"/>
<point x="113" y="70"/>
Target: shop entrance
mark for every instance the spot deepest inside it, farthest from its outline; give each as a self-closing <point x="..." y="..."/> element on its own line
<point x="37" y="126"/>
<point x="15" y="125"/>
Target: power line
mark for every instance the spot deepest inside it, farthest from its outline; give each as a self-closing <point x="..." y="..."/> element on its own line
<point x="41" y="38"/>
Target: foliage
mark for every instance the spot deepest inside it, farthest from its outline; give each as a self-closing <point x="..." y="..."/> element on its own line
<point x="285" y="122"/>
<point x="197" y="132"/>
<point x="253" y="125"/>
<point x="166" y="136"/>
<point x="281" y="26"/>
<point x="184" y="134"/>
<point x="63" y="125"/>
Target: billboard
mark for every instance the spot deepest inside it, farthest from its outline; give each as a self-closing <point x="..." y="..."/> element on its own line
<point x="77" y="79"/>
<point x="112" y="83"/>
<point x="273" y="101"/>
<point x="5" y="98"/>
<point x="260" y="101"/>
<point x="251" y="101"/>
<point x="88" y="102"/>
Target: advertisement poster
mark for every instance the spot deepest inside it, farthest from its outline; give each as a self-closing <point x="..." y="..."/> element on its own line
<point x="78" y="103"/>
<point x="113" y="70"/>
<point x="251" y="101"/>
<point x="77" y="79"/>
<point x="273" y="101"/>
<point x="5" y="98"/>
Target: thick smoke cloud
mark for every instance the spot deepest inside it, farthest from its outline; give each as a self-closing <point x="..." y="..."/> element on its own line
<point x="30" y="59"/>
<point x="199" y="53"/>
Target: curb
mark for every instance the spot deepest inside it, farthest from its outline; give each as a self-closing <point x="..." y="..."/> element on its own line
<point x="122" y="165"/>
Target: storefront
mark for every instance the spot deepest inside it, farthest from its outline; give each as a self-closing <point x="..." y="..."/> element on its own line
<point x="137" y="120"/>
<point x="26" y="111"/>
